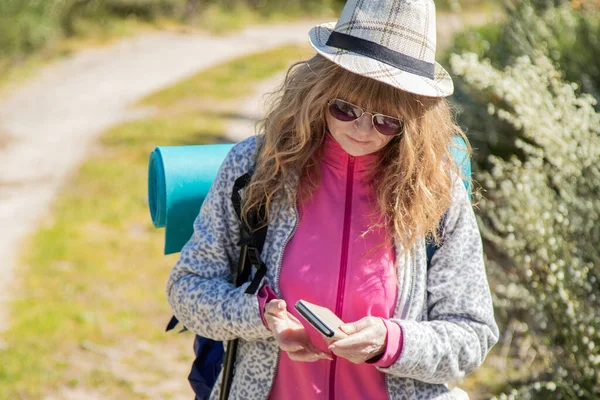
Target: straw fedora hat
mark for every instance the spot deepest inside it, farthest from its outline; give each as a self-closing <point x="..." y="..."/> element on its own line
<point x="392" y="41"/>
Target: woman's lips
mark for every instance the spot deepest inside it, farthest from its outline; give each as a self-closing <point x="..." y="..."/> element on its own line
<point x="358" y="142"/>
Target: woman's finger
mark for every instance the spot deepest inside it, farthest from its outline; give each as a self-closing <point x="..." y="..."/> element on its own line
<point x="290" y="346"/>
<point x="271" y="323"/>
<point x="293" y="318"/>
<point x="308" y="356"/>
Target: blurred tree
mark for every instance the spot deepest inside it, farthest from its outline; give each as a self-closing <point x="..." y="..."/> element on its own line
<point x="191" y="8"/>
<point x="73" y="10"/>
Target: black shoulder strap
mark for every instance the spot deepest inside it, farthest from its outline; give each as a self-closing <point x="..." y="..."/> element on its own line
<point x="252" y="238"/>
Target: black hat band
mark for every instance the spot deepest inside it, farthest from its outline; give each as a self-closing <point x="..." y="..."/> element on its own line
<point x="381" y="53"/>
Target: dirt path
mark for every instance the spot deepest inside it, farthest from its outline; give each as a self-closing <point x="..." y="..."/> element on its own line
<point x="54" y="118"/>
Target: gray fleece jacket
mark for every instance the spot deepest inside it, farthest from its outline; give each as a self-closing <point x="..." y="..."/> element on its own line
<point x="445" y="311"/>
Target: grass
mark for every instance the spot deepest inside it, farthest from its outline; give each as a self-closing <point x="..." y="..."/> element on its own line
<point x="90" y="307"/>
<point x="218" y="20"/>
<point x="215" y="86"/>
<point x="105" y="29"/>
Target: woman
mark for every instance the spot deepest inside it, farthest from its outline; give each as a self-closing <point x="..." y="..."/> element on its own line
<point x="355" y="168"/>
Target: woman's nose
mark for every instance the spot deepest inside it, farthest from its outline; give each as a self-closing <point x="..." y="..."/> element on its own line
<point x="364" y="123"/>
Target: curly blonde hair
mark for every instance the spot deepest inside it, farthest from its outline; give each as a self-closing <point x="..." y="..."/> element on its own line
<point x="414" y="176"/>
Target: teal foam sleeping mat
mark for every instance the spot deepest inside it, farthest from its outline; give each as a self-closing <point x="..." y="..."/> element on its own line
<point x="179" y="178"/>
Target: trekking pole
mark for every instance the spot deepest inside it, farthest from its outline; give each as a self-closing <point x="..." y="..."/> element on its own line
<point x="228" y="369"/>
<point x="231" y="350"/>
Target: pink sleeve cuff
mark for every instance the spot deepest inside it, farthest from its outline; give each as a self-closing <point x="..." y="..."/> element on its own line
<point x="393" y="349"/>
<point x="265" y="295"/>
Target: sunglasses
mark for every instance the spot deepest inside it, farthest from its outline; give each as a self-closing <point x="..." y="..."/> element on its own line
<point x="346" y="112"/>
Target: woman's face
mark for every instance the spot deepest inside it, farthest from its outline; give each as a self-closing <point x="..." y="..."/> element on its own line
<point x="358" y="137"/>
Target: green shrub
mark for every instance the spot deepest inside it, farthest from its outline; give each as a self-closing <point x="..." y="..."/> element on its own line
<point x="569" y="35"/>
<point x="459" y="5"/>
<point x="539" y="217"/>
<point x="29" y="25"/>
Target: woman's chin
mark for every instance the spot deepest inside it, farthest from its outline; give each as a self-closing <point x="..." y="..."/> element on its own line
<point x="357" y="149"/>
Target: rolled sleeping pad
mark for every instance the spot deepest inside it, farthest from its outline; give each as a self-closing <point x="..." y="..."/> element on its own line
<point x="179" y="178"/>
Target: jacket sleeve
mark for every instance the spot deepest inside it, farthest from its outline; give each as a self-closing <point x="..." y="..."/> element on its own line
<point x="460" y="329"/>
<point x="200" y="289"/>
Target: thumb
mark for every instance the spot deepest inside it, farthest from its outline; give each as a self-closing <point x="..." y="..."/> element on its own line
<point x="281" y="305"/>
<point x="275" y="306"/>
<point x="351" y="328"/>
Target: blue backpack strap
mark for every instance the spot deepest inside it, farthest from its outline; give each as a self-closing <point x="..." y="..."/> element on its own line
<point x="459" y="153"/>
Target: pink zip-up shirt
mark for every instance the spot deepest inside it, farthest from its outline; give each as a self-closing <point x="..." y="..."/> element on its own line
<point x="330" y="262"/>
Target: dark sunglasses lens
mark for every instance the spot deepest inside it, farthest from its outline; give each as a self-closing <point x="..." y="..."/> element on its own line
<point x="343" y="111"/>
<point x="388" y="125"/>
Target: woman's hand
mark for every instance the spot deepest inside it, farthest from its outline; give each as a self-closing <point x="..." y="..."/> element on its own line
<point x="290" y="333"/>
<point x="366" y="339"/>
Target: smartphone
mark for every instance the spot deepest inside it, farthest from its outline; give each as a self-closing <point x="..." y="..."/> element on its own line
<point x="321" y="318"/>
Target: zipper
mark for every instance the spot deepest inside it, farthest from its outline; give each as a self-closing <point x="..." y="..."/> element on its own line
<point x="343" y="262"/>
<point x="278" y="292"/>
<point x="280" y="258"/>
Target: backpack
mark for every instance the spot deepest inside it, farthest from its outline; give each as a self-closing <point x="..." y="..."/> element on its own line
<point x="211" y="356"/>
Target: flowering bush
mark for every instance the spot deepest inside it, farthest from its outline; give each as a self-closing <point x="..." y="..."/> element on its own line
<point x="567" y="31"/>
<point x="540" y="216"/>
